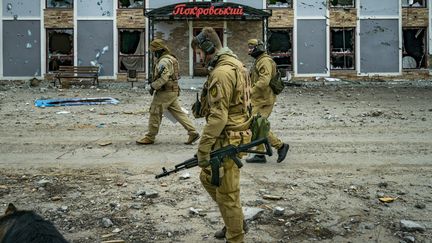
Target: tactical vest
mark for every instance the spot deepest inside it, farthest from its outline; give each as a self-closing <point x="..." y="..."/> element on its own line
<point x="176" y="75"/>
<point x="172" y="84"/>
<point x="243" y="90"/>
<point x="241" y="97"/>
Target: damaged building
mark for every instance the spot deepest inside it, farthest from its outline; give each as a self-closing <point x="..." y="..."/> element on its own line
<point x="349" y="39"/>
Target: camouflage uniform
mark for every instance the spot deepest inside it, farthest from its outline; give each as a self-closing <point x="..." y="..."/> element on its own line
<point x="263" y="98"/>
<point x="227" y="123"/>
<point x="165" y="97"/>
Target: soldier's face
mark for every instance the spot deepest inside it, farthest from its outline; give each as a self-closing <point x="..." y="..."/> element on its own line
<point x="206" y="58"/>
<point x="250" y="49"/>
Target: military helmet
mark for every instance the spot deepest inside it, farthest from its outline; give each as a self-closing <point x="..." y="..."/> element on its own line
<point x="158" y="45"/>
<point x="258" y="47"/>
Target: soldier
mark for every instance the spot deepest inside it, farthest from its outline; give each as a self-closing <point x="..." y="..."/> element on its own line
<point x="262" y="96"/>
<point x="166" y="90"/>
<point x="225" y="102"/>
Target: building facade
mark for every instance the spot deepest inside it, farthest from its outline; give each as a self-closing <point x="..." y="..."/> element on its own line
<point x="349" y="39"/>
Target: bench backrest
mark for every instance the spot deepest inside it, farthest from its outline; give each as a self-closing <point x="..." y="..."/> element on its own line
<point x="79" y="69"/>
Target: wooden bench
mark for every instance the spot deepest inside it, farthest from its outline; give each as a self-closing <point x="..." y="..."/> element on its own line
<point x="78" y="72"/>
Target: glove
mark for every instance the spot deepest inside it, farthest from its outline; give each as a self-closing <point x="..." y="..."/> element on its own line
<point x="151" y="91"/>
<point x="203" y="159"/>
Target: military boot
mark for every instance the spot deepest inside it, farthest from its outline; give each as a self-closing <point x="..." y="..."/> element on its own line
<point x="282" y="152"/>
<point x="220" y="234"/>
<point x="257" y="158"/>
<point x="144" y="141"/>
<point x="192" y="138"/>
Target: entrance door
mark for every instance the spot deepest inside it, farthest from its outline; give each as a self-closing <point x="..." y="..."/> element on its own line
<point x="199" y="68"/>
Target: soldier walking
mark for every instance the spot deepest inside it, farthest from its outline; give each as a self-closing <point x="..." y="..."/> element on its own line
<point x="262" y="96"/>
<point x="165" y="91"/>
<point x="225" y="105"/>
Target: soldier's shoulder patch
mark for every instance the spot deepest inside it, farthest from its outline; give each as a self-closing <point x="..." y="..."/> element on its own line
<point x="213" y="91"/>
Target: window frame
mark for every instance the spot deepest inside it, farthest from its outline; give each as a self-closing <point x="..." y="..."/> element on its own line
<point x="139" y="7"/>
<point x="48" y="57"/>
<point x="287" y="67"/>
<point x="49" y="7"/>
<point x="343" y="6"/>
<point x="343" y="53"/>
<point x="274" y="6"/>
<point x="425" y="49"/>
<point x="408" y="6"/>
<point x="119" y="54"/>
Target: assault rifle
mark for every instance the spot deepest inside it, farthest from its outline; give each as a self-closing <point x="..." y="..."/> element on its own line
<point x="217" y="156"/>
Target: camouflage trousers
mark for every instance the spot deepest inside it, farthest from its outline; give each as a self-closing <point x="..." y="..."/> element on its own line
<point x="265" y="111"/>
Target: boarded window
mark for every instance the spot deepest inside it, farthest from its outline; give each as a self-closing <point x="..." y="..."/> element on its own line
<point x="59" y="3"/>
<point x="21" y="48"/>
<point x="132" y="50"/>
<point x="414" y="3"/>
<point x="131" y="4"/>
<point x="379" y="46"/>
<point x="95" y="45"/>
<point x="280" y="48"/>
<point x="312" y="47"/>
<point x="95" y="8"/>
<point x="342" y="3"/>
<point x="60" y="48"/>
<point x="414" y="51"/>
<point x="342" y="48"/>
<point x="279" y="3"/>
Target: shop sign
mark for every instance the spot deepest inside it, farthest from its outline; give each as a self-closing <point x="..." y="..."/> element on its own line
<point x="181" y="9"/>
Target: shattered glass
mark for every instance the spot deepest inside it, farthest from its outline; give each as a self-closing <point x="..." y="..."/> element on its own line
<point x="131" y="4"/>
<point x="59" y="4"/>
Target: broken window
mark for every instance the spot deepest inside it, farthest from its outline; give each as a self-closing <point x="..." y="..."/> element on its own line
<point x="60" y="48"/>
<point x="131" y="4"/>
<point x="342" y="48"/>
<point x="414" y="3"/>
<point x="59" y="3"/>
<point x="414" y="51"/>
<point x="279" y="3"/>
<point x="280" y="48"/>
<point x="131" y="50"/>
<point x="342" y="3"/>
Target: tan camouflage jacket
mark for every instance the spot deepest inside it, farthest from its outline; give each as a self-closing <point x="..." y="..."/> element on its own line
<point x="261" y="73"/>
<point x="227" y="119"/>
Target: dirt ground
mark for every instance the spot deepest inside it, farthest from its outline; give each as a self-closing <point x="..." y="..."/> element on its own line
<point x="351" y="144"/>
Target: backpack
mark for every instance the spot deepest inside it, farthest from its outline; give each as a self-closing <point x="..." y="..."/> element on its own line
<point x="260" y="127"/>
<point x="276" y="83"/>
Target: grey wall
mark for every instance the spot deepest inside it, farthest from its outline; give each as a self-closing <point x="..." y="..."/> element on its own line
<point x="252" y="3"/>
<point x="95" y="8"/>
<point x="21" y="48"/>
<point x="380" y="8"/>
<point x="311" y="8"/>
<point x="21" y="8"/>
<point x="379" y="45"/>
<point x="311" y="46"/>
<point x="95" y="45"/>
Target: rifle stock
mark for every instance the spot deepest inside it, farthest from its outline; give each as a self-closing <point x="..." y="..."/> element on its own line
<point x="217" y="156"/>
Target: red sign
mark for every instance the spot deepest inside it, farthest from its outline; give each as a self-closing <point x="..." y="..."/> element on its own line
<point x="181" y="9"/>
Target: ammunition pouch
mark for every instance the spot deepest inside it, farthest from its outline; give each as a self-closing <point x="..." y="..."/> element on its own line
<point x="260" y="127"/>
